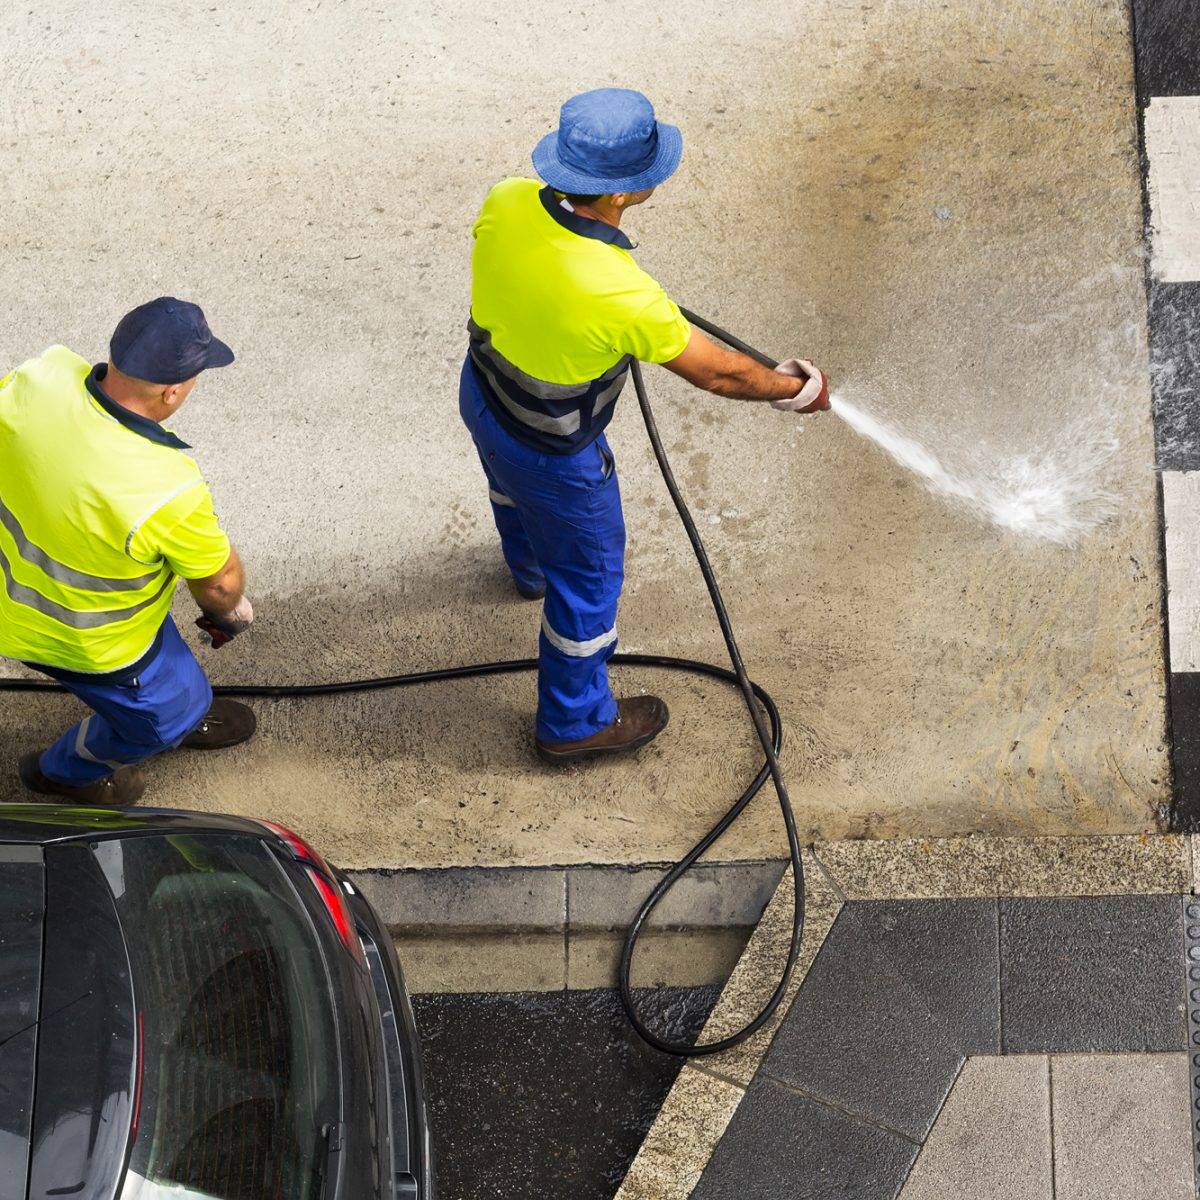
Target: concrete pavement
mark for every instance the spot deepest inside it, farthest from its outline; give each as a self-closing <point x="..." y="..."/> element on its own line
<point x="940" y="204"/>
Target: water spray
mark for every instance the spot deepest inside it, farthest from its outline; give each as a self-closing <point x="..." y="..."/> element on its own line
<point x="1052" y="499"/>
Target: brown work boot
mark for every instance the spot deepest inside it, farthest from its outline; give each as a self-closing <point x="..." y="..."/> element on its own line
<point x="640" y="719"/>
<point x="228" y="723"/>
<point x="118" y="790"/>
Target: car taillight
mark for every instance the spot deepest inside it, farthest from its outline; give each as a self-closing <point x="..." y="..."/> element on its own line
<point x="326" y="885"/>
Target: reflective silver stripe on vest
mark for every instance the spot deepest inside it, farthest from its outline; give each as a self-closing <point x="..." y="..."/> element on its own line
<point x="482" y="342"/>
<point x="60" y="572"/>
<point x="573" y="648"/>
<point x="18" y="593"/>
<point x="562" y="426"/>
<point x="499" y="498"/>
<point x="607" y="396"/>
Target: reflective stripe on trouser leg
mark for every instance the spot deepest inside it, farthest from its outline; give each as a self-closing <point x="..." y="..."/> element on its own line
<point x="581" y="546"/>
<point x="133" y="721"/>
<point x="570" y="507"/>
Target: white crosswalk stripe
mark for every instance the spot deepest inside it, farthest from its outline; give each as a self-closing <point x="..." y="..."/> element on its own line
<point x="1173" y="155"/>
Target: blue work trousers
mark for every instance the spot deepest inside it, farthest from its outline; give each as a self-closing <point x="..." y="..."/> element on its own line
<point x="133" y="720"/>
<point x="560" y="522"/>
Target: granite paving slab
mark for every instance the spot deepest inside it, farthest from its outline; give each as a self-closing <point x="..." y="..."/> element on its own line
<point x="781" y="1145"/>
<point x="1121" y="1127"/>
<point x="1101" y="973"/>
<point x="899" y="994"/>
<point x="992" y="1137"/>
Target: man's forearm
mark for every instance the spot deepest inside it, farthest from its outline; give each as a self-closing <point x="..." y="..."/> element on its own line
<point x="221" y="593"/>
<point x="739" y="377"/>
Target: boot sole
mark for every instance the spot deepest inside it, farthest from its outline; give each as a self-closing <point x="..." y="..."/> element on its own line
<point x="546" y="754"/>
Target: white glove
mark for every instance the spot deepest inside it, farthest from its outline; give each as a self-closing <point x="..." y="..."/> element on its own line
<point x="815" y="391"/>
<point x="220" y="631"/>
<point x="243" y="614"/>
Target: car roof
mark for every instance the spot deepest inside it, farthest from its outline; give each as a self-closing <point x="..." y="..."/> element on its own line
<point x="43" y="823"/>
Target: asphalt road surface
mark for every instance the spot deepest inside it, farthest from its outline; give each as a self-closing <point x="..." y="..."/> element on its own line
<point x="545" y="1094"/>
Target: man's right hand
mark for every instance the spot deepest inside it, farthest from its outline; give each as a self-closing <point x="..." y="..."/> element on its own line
<point x="224" y="627"/>
<point x="813" y="396"/>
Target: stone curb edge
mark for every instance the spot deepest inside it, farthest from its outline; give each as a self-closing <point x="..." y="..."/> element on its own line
<point x="545" y="899"/>
<point x="734" y="894"/>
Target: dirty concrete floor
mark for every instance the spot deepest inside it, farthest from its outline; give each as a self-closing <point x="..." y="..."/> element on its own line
<point x="938" y="203"/>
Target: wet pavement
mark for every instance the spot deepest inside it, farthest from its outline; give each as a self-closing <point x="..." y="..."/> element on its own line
<point x="545" y="1094"/>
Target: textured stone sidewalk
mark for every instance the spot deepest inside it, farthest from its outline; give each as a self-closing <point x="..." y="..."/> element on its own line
<point x="971" y="1018"/>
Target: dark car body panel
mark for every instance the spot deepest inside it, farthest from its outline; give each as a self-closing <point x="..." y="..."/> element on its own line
<point x="412" y="1160"/>
<point x="375" y="1109"/>
<point x="45" y="823"/>
<point x="87" y="1040"/>
<point x="22" y="911"/>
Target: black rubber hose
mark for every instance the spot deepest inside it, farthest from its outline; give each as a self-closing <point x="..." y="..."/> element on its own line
<point x="769" y="731"/>
<point x="771" y="741"/>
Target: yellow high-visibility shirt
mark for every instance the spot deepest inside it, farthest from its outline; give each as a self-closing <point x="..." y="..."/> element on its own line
<point x="558" y="309"/>
<point x="100" y="511"/>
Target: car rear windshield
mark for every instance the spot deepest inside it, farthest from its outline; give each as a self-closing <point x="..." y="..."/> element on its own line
<point x="240" y="1069"/>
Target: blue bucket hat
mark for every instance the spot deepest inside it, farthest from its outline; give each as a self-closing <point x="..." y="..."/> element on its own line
<point x="608" y="141"/>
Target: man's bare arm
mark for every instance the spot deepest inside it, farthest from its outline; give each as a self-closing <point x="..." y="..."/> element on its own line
<point x="221" y="593"/>
<point x="730" y="373"/>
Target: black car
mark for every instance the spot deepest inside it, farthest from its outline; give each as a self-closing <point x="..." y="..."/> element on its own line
<point x="197" y="1007"/>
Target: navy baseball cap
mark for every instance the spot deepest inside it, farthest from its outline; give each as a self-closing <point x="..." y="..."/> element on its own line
<point x="166" y="341"/>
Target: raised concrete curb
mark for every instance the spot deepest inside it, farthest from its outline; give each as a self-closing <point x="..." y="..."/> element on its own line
<point x="518" y="929"/>
<point x="544" y="899"/>
<point x="467" y="898"/>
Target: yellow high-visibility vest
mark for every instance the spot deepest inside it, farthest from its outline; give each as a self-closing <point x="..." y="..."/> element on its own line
<point x="559" y="308"/>
<point x="87" y="491"/>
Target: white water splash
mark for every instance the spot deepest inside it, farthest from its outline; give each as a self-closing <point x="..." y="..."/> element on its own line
<point x="1057" y="498"/>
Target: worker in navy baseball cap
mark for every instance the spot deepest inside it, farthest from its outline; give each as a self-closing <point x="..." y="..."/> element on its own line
<point x="103" y="511"/>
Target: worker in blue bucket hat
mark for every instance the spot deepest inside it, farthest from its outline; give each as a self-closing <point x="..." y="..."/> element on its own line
<point x="559" y="309"/>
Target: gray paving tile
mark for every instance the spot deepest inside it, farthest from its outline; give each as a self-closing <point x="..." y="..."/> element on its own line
<point x="783" y="1146"/>
<point x="899" y="994"/>
<point x="992" y="1137"/>
<point x="1121" y="1127"/>
<point x="1097" y="973"/>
